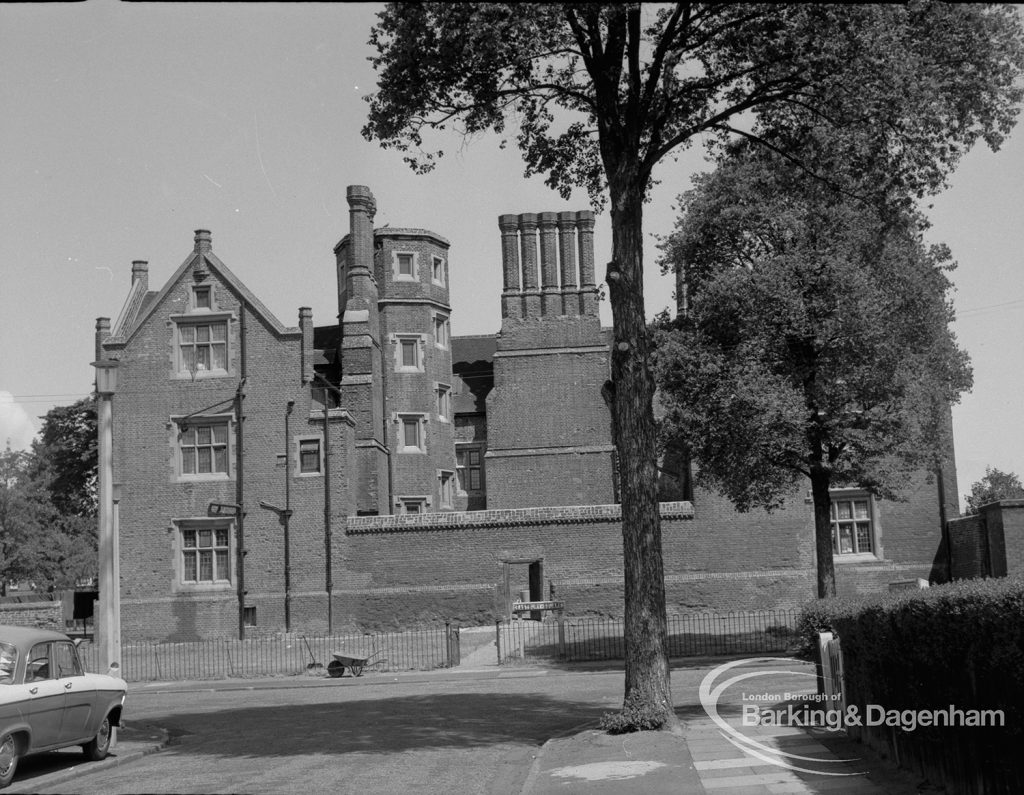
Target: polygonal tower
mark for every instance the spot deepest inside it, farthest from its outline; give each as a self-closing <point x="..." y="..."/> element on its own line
<point x="411" y="267"/>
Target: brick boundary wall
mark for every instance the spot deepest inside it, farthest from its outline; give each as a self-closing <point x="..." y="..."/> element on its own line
<point x="510" y="517"/>
<point x="400" y="570"/>
<point x="47" y="615"/>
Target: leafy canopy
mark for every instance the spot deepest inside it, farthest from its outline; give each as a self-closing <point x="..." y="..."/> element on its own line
<point x="602" y="92"/>
<point x="48" y="501"/>
<point x="815" y="340"/>
<point x="996" y="485"/>
<point x="66" y="457"/>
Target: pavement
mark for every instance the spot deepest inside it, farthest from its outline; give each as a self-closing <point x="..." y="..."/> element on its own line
<point x="700" y="759"/>
<point x="697" y="758"/>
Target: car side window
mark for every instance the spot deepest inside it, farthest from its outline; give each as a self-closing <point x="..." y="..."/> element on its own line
<point x="8" y="662"/>
<point x="65" y="657"/>
<point x="38" y="663"/>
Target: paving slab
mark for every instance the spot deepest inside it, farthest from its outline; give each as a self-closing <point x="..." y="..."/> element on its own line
<point x="653" y="763"/>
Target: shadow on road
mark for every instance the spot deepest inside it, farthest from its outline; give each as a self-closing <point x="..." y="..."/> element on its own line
<point x="386" y="725"/>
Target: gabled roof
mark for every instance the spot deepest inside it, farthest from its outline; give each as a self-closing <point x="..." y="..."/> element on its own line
<point x="140" y="305"/>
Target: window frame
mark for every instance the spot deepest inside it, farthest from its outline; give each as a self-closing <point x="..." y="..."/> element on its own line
<point x="439" y="264"/>
<point x="403" y="503"/>
<point x="446" y="480"/>
<point x="194" y="321"/>
<point x="306" y="438"/>
<point x="197" y="421"/>
<point x="402" y="421"/>
<point x="182" y="526"/>
<point x="443" y="322"/>
<point x="443" y="401"/>
<point x="464" y="470"/>
<point x="396" y="267"/>
<point x="401" y="340"/>
<point x="853" y="496"/>
<point x="206" y="289"/>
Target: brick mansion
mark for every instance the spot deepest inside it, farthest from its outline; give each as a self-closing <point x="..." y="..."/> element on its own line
<point x="380" y="471"/>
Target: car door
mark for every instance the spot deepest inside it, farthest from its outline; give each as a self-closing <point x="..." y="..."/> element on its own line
<point x="46" y="697"/>
<point x="79" y="692"/>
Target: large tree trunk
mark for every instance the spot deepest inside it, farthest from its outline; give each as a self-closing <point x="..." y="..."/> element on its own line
<point x="633" y="427"/>
<point x="820" y="482"/>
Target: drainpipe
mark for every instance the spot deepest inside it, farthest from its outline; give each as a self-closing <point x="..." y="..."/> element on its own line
<point x="287" y="517"/>
<point x="327" y="515"/>
<point x="239" y="476"/>
<point x="944" y="519"/>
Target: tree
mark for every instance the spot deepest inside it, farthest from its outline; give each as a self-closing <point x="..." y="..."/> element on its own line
<point x="815" y="343"/>
<point x="22" y="514"/>
<point x="48" y="502"/>
<point x="996" y="485"/>
<point x="601" y="94"/>
<point x="37" y="542"/>
<point x="67" y="458"/>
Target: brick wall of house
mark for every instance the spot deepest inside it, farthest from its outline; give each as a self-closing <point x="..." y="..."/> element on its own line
<point x="152" y="396"/>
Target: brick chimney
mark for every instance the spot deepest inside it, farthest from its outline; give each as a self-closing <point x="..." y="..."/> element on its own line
<point x="203" y="246"/>
<point x="307" y="352"/>
<point x="140" y="273"/>
<point x="102" y="332"/>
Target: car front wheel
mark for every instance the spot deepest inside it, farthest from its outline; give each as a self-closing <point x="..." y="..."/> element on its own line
<point x="99" y="746"/>
<point x="8" y="759"/>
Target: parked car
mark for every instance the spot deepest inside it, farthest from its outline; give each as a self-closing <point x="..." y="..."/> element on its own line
<point x="48" y="701"/>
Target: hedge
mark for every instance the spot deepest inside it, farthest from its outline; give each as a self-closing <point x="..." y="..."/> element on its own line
<point x="959" y="645"/>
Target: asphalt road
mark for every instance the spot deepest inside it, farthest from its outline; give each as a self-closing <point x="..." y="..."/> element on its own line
<point x="381" y="733"/>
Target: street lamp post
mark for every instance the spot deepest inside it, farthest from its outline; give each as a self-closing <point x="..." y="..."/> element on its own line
<point x="110" y="587"/>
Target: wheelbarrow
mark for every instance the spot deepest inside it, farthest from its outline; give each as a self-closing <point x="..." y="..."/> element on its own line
<point x="354" y="661"/>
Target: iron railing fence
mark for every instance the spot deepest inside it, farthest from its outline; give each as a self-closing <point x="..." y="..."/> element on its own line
<point x="279" y="655"/>
<point x="700" y="634"/>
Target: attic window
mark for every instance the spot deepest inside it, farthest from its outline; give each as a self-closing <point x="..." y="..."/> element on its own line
<point x="202" y="297"/>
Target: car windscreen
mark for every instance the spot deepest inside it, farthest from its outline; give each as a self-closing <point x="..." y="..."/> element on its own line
<point x="8" y="662"/>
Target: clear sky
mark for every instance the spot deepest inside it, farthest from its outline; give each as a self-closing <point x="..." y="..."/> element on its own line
<point x="127" y="126"/>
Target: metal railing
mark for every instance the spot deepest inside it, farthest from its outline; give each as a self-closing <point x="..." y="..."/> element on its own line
<point x="279" y="655"/>
<point x="700" y="634"/>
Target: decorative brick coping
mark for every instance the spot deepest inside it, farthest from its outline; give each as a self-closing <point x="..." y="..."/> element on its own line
<point x="510" y="517"/>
